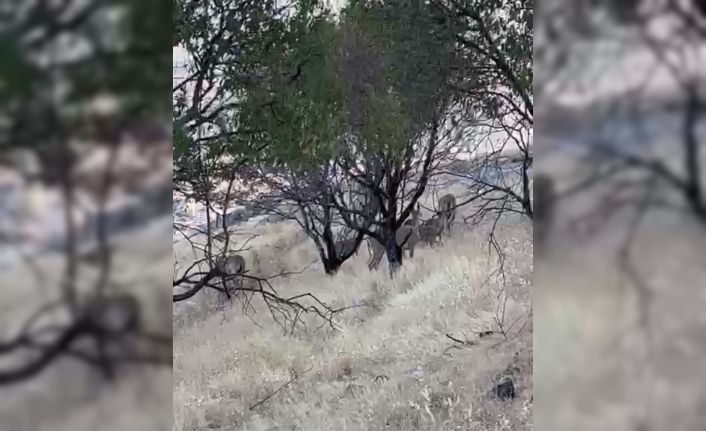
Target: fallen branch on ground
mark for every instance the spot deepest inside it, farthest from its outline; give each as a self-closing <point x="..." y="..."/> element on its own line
<point x="264" y="400"/>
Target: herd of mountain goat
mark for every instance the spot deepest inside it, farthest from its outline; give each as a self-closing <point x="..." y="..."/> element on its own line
<point x="408" y="236"/>
<point x="415" y="231"/>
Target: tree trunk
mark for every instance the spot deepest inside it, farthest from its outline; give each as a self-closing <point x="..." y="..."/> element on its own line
<point x="394" y="254"/>
<point x="327" y="251"/>
<point x="527" y="207"/>
<point x="331" y="266"/>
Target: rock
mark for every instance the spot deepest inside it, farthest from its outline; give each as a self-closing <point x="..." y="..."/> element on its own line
<point x="340" y="368"/>
<point x="239" y="214"/>
<point x="417" y="372"/>
<point x="254" y="208"/>
<point x="233" y="216"/>
<point x="274" y="218"/>
<point x="179" y="206"/>
<point x="505" y="390"/>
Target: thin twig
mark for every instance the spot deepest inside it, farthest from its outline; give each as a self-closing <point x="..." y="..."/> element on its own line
<point x="296" y="376"/>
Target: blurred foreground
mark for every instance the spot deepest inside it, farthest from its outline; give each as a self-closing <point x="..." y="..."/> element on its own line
<point x="85" y="181"/>
<point x="619" y="278"/>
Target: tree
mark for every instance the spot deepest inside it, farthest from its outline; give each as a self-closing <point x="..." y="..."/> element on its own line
<point x="232" y="53"/>
<point x="370" y="109"/>
<point x="395" y="59"/>
<point x="325" y="108"/>
<point x="222" y="44"/>
<point x="495" y="38"/>
<point x="307" y="197"/>
<point x="299" y="108"/>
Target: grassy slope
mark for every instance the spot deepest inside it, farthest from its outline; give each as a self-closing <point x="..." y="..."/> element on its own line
<point x="224" y="365"/>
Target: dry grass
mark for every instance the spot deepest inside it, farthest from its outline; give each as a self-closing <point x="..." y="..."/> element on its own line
<point x="388" y="366"/>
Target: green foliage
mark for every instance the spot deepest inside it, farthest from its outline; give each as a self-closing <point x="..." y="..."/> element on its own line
<point x="228" y="44"/>
<point x="147" y="59"/>
<point x="182" y="141"/>
<point x="496" y="39"/>
<point x="374" y="79"/>
<point x="298" y="105"/>
<point x="305" y="87"/>
<point x="135" y="62"/>
<point x="122" y="55"/>
<point x="16" y="72"/>
<point x="406" y="59"/>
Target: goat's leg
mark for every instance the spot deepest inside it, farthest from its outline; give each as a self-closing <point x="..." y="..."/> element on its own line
<point x="374" y="261"/>
<point x="379" y="259"/>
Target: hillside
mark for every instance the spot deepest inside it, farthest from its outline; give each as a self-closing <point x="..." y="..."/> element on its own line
<point x="389" y="363"/>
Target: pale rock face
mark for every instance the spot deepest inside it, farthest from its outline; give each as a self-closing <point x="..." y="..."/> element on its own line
<point x="190" y="208"/>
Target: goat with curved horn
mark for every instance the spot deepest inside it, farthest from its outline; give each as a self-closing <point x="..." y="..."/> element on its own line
<point x="430" y="231"/>
<point x="447" y="212"/>
<point x="407" y="237"/>
<point x="346" y="247"/>
<point x="231" y="268"/>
